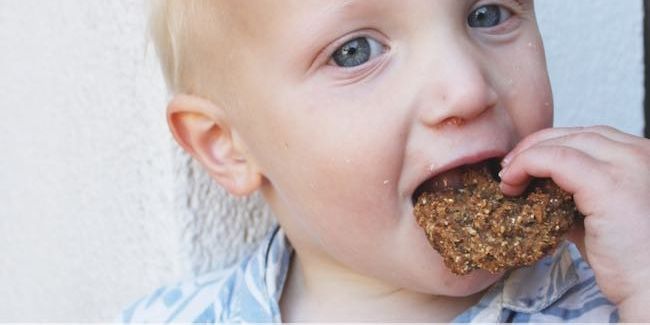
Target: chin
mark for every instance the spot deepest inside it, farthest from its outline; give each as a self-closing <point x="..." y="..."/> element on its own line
<point x="466" y="285"/>
<point x="428" y="273"/>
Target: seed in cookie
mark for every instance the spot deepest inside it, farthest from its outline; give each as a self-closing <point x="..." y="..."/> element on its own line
<point x="474" y="226"/>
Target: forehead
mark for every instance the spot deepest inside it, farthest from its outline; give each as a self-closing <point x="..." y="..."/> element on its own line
<point x="251" y="15"/>
<point x="260" y="17"/>
<point x="292" y="31"/>
<point x="264" y="11"/>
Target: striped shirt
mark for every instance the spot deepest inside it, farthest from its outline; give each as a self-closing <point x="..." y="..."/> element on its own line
<point x="558" y="288"/>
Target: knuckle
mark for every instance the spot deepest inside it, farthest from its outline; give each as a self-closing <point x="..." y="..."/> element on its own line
<point x="635" y="150"/>
<point x="588" y="137"/>
<point x="561" y="153"/>
<point x="639" y="154"/>
<point x="617" y="178"/>
<point x="612" y="175"/>
<point x="603" y="128"/>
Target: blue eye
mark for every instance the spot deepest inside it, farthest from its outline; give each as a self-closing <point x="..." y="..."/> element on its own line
<point x="356" y="52"/>
<point x="488" y="16"/>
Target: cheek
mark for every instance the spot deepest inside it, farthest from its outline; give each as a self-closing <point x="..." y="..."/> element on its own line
<point x="525" y="88"/>
<point x="334" y="167"/>
<point x="532" y="107"/>
<point x="353" y="169"/>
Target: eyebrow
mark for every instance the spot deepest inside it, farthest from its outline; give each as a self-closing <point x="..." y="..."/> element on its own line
<point x="329" y="20"/>
<point x="345" y="6"/>
<point x="326" y="22"/>
<point x="343" y="10"/>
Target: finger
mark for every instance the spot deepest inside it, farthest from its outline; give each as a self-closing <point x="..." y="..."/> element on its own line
<point x="594" y="144"/>
<point x="570" y="168"/>
<point x="514" y="189"/>
<point x="551" y="133"/>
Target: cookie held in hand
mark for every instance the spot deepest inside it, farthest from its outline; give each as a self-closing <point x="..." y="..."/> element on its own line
<point x="474" y="226"/>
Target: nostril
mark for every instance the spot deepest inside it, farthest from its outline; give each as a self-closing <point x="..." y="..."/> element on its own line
<point x="452" y="121"/>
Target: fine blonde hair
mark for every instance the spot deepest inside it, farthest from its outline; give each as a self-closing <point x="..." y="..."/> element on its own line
<point x="184" y="34"/>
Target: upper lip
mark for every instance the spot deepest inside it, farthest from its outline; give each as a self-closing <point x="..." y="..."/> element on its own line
<point x="457" y="162"/>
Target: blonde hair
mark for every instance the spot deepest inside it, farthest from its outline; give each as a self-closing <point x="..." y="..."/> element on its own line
<point x="183" y="33"/>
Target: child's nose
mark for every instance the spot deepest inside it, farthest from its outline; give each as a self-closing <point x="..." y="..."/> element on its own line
<point x="457" y="88"/>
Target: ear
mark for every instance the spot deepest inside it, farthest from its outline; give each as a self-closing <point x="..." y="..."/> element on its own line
<point x="201" y="128"/>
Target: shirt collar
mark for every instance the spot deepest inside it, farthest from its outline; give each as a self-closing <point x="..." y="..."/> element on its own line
<point x="527" y="290"/>
<point x="531" y="289"/>
<point x="277" y="263"/>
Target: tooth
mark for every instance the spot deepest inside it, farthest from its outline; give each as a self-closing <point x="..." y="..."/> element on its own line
<point x="448" y="180"/>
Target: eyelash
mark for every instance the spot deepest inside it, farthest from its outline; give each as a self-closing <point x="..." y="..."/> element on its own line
<point x="325" y="57"/>
<point x="516" y="7"/>
<point x="374" y="49"/>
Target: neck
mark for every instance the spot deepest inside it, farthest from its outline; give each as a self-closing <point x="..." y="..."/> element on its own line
<point x="327" y="292"/>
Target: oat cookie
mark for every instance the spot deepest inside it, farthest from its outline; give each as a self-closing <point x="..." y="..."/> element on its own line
<point x="473" y="226"/>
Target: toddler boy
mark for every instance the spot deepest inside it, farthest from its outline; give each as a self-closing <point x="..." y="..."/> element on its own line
<point x="337" y="111"/>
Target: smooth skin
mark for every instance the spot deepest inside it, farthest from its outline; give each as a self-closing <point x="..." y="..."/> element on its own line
<point x="337" y="151"/>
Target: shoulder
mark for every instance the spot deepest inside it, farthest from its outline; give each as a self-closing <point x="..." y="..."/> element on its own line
<point x="186" y="301"/>
<point x="249" y="291"/>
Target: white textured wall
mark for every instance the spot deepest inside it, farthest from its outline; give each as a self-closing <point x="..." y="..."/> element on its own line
<point x="595" y="57"/>
<point x="86" y="220"/>
<point x="97" y="204"/>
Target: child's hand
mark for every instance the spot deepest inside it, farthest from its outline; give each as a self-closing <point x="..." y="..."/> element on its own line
<point x="608" y="173"/>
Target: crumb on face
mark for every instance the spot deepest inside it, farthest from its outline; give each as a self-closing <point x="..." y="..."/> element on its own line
<point x="347" y="106"/>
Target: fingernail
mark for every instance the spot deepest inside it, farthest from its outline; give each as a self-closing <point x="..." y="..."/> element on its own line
<point x="505" y="161"/>
<point x="503" y="171"/>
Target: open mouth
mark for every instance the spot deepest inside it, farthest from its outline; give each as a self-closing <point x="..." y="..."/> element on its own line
<point x="473" y="225"/>
<point x="452" y="179"/>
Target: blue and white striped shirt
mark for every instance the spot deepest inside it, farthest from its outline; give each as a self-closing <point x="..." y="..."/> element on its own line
<point x="558" y="288"/>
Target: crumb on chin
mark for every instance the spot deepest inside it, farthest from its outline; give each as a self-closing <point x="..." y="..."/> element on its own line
<point x="477" y="227"/>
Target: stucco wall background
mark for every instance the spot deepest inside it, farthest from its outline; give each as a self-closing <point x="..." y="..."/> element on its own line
<point x="99" y="206"/>
<point x="86" y="218"/>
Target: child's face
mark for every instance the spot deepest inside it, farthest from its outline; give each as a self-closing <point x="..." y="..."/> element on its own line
<point x="348" y="106"/>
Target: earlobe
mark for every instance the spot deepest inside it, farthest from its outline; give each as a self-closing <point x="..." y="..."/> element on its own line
<point x="201" y="128"/>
